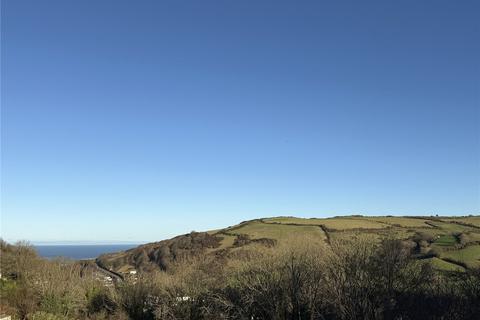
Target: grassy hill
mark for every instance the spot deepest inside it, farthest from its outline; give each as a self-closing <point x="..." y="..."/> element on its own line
<point x="450" y="243"/>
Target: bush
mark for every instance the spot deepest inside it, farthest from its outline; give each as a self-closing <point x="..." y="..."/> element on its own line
<point x="99" y="300"/>
<point x="42" y="315"/>
<point x="281" y="284"/>
<point x="364" y="281"/>
<point x="356" y="279"/>
<point x="138" y="299"/>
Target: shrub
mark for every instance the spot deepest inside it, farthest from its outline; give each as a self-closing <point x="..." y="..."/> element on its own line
<point x="138" y="299"/>
<point x="42" y="315"/>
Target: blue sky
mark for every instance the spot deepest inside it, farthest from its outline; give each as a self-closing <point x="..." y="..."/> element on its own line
<point x="140" y="120"/>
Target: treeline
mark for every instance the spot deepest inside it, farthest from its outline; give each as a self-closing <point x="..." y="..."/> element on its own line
<point x="361" y="279"/>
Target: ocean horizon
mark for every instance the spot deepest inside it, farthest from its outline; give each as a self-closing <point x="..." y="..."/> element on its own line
<point x="79" y="251"/>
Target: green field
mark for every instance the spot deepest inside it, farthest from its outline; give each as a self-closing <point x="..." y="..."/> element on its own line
<point x="473" y="220"/>
<point x="442" y="237"/>
<point x="343" y="223"/>
<point x="469" y="256"/>
<point x="442" y="232"/>
<point x="443" y="265"/>
<point x="227" y="241"/>
<point x="451" y="227"/>
<point x="474" y="236"/>
<point x="404" y="222"/>
<point x="258" y="230"/>
<point x="446" y="240"/>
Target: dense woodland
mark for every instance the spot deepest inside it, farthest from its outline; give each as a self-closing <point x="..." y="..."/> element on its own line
<point x="355" y="279"/>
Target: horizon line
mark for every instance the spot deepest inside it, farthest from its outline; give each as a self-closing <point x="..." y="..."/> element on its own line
<point x="140" y="242"/>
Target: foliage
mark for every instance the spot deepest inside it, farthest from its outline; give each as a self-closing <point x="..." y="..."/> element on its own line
<point x="359" y="275"/>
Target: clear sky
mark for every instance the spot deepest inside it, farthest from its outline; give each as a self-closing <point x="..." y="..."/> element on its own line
<point x="140" y="120"/>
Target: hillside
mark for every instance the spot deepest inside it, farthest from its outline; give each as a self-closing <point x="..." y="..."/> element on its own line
<point x="450" y="243"/>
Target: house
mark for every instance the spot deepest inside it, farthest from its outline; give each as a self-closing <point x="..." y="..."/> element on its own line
<point x="186" y="298"/>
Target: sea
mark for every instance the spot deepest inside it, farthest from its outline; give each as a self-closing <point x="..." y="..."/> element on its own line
<point x="80" y="252"/>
